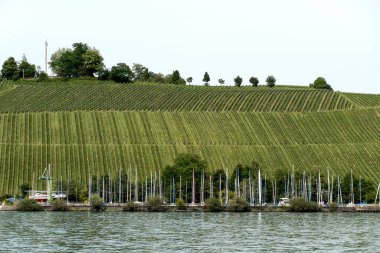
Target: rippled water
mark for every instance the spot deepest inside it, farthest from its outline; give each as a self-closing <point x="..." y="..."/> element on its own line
<point x="188" y="232"/>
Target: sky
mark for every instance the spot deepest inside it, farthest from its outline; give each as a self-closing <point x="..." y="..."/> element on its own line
<point x="294" y="40"/>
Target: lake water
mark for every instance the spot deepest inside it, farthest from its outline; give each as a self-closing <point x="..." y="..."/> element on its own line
<point x="188" y="232"/>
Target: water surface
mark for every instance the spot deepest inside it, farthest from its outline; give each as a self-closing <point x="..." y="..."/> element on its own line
<point x="188" y="232"/>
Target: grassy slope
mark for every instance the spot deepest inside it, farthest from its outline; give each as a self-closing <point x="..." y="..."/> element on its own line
<point x="143" y="138"/>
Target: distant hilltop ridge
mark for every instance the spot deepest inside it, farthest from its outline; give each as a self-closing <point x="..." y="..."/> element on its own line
<point x="95" y="95"/>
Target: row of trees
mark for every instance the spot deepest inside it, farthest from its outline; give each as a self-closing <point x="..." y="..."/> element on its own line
<point x="11" y="69"/>
<point x="271" y="80"/>
<point x="83" y="60"/>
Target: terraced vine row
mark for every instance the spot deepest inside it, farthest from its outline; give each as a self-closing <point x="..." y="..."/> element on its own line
<point x="364" y="100"/>
<point x="104" y="142"/>
<point x="59" y="97"/>
<point x="6" y="85"/>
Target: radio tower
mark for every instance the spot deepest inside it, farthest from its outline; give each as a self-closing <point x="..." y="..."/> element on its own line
<point x="46" y="45"/>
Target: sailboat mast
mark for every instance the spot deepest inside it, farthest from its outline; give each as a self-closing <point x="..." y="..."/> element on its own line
<point x="226" y="188"/>
<point x="180" y="186"/>
<point x="328" y="187"/>
<point x="259" y="186"/>
<point x="193" y="188"/>
<point x="352" y="189"/>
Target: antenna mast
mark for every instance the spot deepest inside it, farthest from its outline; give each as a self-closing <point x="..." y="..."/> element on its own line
<point x="46" y="45"/>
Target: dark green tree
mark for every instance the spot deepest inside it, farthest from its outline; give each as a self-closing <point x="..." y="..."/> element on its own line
<point x="82" y="60"/>
<point x="75" y="190"/>
<point x="9" y="69"/>
<point x="174" y="78"/>
<point x="271" y="81"/>
<point x="184" y="165"/>
<point x="79" y="50"/>
<point x="42" y="76"/>
<point x="121" y="73"/>
<point x="157" y="78"/>
<point x="62" y="62"/>
<point x="238" y="81"/>
<point x="26" y="70"/>
<point x="221" y="81"/>
<point x="206" y="78"/>
<point x="25" y="187"/>
<point x="141" y="73"/>
<point x="254" y="81"/>
<point x="320" y="83"/>
<point x="104" y="75"/>
<point x="93" y="62"/>
<point x="189" y="80"/>
<point x="362" y="188"/>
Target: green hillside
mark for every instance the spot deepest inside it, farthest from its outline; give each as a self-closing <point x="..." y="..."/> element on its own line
<point x="102" y="128"/>
<point x="107" y="96"/>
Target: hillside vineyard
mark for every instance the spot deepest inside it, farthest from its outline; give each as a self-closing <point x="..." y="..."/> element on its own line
<point x="103" y="128"/>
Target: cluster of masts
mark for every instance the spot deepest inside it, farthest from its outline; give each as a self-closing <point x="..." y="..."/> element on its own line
<point x="128" y="188"/>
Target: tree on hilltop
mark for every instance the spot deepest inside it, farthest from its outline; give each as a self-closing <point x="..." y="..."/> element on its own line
<point x="93" y="62"/>
<point x="238" y="81"/>
<point x="206" y="78"/>
<point x="82" y="60"/>
<point x="254" y="81"/>
<point x="189" y="80"/>
<point x="121" y="73"/>
<point x="271" y="81"/>
<point x="26" y="69"/>
<point x="320" y="83"/>
<point x="221" y="81"/>
<point x="9" y="69"/>
<point x="175" y="78"/>
<point x="140" y="72"/>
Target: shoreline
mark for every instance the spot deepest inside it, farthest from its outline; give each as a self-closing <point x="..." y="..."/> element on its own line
<point x="255" y="209"/>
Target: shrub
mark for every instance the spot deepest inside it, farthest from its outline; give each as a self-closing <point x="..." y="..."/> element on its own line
<point x="213" y="205"/>
<point x="29" y="205"/>
<point x="333" y="207"/>
<point x="180" y="203"/>
<point x="42" y="77"/>
<point x="130" y="207"/>
<point x="155" y="204"/>
<point x="59" y="205"/>
<point x="97" y="203"/>
<point x="104" y="75"/>
<point x="320" y="83"/>
<point x="15" y="77"/>
<point x="300" y="205"/>
<point x="238" y="205"/>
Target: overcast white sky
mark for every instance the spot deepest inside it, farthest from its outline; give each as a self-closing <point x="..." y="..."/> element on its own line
<point x="294" y="40"/>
